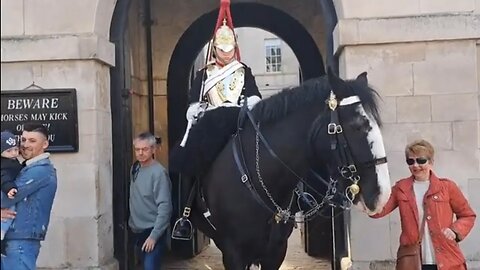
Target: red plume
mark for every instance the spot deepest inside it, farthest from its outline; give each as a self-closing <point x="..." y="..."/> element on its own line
<point x="224" y="13"/>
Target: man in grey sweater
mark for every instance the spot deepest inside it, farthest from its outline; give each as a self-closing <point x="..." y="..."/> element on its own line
<point x="150" y="202"/>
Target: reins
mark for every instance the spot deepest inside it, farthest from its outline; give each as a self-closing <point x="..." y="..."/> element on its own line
<point x="339" y="146"/>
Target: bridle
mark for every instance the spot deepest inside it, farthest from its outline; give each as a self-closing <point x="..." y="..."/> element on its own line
<point x="346" y="169"/>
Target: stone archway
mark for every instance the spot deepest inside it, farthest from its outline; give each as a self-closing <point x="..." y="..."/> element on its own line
<point x="179" y="57"/>
<point x="311" y="64"/>
<point x="103" y="16"/>
<point x="198" y="34"/>
<point x="246" y="15"/>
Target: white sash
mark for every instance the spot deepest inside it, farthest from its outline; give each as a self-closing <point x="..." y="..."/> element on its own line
<point x="221" y="74"/>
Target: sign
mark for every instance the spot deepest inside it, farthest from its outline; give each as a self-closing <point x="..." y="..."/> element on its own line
<point x="56" y="109"/>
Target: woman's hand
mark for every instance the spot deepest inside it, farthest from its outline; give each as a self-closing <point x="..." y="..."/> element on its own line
<point x="449" y="234"/>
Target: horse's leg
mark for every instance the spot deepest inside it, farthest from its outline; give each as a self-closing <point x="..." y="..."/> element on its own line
<point x="232" y="257"/>
<point x="277" y="246"/>
<point x="274" y="257"/>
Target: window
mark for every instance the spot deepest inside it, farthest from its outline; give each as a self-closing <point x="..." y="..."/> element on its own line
<point x="273" y="55"/>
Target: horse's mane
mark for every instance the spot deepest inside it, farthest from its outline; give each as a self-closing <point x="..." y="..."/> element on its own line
<point x="291" y="99"/>
<point x="311" y="92"/>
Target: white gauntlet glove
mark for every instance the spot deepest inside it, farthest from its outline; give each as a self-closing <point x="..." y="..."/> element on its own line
<point x="251" y="101"/>
<point x="194" y="110"/>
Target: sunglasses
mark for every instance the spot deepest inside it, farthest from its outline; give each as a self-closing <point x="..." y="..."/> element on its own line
<point x="419" y="161"/>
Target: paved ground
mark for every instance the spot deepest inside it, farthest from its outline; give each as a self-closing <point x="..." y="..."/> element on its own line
<point x="211" y="259"/>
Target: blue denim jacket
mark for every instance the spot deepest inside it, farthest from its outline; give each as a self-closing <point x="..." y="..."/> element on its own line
<point x="37" y="184"/>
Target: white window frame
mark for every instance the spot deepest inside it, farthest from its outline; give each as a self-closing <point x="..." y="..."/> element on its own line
<point x="273" y="55"/>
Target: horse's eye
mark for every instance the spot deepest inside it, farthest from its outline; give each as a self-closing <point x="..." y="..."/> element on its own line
<point x="360" y="124"/>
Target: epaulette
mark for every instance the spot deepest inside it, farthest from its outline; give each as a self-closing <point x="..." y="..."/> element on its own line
<point x="210" y="65"/>
<point x="203" y="67"/>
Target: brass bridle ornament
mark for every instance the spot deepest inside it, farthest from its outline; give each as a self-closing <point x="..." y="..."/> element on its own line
<point x="350" y="171"/>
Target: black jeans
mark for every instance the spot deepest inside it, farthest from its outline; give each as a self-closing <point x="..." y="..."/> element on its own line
<point x="429" y="267"/>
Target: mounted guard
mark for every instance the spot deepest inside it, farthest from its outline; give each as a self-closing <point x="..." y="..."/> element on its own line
<point x="224" y="82"/>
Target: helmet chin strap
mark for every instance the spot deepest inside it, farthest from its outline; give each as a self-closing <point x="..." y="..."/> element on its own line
<point x="221" y="62"/>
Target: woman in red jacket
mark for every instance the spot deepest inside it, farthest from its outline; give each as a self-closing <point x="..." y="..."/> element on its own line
<point x="439" y="200"/>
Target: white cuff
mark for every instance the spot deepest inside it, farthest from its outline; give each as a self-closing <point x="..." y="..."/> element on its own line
<point x="194" y="110"/>
<point x="252" y="100"/>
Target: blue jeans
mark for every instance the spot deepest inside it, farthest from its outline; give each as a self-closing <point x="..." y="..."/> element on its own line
<point x="7" y="223"/>
<point x="151" y="260"/>
<point x="21" y="254"/>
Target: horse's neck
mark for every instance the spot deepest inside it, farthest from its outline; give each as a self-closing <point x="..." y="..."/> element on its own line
<point x="290" y="134"/>
<point x="288" y="139"/>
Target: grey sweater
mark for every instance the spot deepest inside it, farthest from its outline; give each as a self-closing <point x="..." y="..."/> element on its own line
<point x="150" y="199"/>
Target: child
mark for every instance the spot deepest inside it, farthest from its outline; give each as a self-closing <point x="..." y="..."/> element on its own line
<point x="10" y="167"/>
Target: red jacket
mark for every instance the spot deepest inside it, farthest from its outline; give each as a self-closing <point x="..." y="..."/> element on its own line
<point x="442" y="200"/>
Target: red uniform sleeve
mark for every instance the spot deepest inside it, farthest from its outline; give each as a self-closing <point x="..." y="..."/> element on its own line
<point x="391" y="204"/>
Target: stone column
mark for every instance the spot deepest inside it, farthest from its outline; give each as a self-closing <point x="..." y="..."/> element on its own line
<point x="423" y="58"/>
<point x="64" y="44"/>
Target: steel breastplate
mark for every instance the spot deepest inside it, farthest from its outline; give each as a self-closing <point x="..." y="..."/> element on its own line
<point x="227" y="90"/>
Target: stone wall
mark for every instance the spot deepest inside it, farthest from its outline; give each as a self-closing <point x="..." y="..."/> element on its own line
<point x="64" y="44"/>
<point x="422" y="57"/>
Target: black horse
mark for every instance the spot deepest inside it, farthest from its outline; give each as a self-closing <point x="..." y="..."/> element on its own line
<point x="249" y="187"/>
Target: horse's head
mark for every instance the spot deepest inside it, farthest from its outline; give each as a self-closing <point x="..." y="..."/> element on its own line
<point x="350" y="142"/>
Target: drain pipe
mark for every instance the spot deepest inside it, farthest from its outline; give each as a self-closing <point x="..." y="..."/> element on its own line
<point x="147" y="23"/>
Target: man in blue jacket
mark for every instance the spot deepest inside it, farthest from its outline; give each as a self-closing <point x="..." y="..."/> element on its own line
<point x="37" y="184"/>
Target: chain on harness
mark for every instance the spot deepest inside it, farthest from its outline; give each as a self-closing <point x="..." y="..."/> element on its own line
<point x="342" y="154"/>
<point x="281" y="214"/>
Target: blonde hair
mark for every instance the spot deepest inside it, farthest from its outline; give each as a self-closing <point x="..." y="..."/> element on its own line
<point x="420" y="147"/>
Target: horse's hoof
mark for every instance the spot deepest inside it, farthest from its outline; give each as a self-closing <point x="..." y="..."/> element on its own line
<point x="182" y="230"/>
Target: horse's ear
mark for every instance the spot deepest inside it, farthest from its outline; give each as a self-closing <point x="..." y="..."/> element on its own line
<point x="362" y="79"/>
<point x="339" y="87"/>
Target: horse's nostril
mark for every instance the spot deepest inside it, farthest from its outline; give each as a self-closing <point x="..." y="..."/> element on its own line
<point x="370" y="202"/>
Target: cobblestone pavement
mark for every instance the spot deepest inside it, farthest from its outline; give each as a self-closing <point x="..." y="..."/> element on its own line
<point x="211" y="259"/>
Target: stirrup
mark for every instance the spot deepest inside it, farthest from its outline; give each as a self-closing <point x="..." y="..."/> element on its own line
<point x="182" y="229"/>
